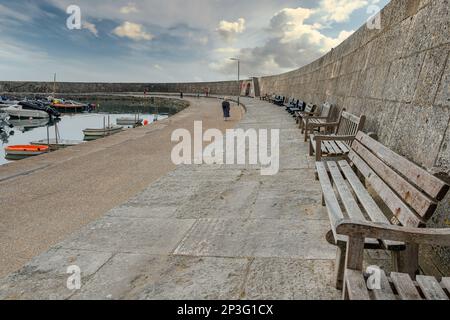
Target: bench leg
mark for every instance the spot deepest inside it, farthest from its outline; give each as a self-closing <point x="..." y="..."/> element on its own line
<point x="339" y="271"/>
<point x="311" y="149"/>
<point x="407" y="261"/>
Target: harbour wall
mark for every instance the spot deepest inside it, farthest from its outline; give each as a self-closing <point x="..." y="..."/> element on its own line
<point x="213" y="88"/>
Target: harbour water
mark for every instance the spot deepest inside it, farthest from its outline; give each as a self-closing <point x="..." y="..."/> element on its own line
<point x="70" y="127"/>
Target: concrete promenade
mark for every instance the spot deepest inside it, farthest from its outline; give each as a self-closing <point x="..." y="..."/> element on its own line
<point x="201" y="232"/>
<point x="45" y="199"/>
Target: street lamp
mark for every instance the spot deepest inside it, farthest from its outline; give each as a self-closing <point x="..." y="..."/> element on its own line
<point x="239" y="74"/>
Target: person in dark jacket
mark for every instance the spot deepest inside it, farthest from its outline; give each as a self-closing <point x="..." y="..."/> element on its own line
<point x="226" y="109"/>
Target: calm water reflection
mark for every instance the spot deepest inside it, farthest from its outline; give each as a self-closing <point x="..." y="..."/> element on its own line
<point x="70" y="127"/>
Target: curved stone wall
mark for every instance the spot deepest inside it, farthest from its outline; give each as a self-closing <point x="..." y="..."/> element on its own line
<point x="214" y="88"/>
<point x="398" y="76"/>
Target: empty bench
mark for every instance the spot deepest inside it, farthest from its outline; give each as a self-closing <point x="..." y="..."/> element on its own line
<point x="317" y="122"/>
<point x="409" y="193"/>
<point x="337" y="144"/>
<point x="398" y="286"/>
<point x="310" y="110"/>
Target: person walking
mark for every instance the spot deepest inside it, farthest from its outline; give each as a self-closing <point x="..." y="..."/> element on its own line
<point x="226" y="107"/>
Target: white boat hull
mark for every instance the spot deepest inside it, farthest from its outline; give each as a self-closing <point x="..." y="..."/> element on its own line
<point x="16" y="112"/>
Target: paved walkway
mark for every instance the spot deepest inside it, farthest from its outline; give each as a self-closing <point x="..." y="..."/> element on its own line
<point x="202" y="232"/>
<point x="45" y="199"/>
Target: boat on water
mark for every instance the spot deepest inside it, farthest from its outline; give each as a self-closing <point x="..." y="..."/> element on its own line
<point x="25" y="125"/>
<point x="70" y="106"/>
<point x="19" y="152"/>
<point x="129" y="121"/>
<point x="21" y="112"/>
<point x="94" y="134"/>
<point x="56" y="144"/>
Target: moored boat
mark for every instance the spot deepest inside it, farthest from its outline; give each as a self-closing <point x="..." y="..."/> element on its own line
<point x="129" y="121"/>
<point x="21" y="112"/>
<point x="93" y="134"/>
<point x="19" y="152"/>
<point x="28" y="124"/>
<point x="69" y="106"/>
<point x="55" y="144"/>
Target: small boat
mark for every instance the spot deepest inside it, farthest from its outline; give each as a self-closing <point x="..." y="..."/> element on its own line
<point x="129" y="121"/>
<point x="41" y="106"/>
<point x="24" y="151"/>
<point x="93" y="134"/>
<point x="24" y="125"/>
<point x="21" y="112"/>
<point x="57" y="144"/>
<point x="69" y="106"/>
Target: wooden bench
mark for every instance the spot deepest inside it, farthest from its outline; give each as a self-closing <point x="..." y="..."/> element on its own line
<point x="310" y="110"/>
<point x="410" y="197"/>
<point x="399" y="286"/>
<point x="317" y="122"/>
<point x="337" y="144"/>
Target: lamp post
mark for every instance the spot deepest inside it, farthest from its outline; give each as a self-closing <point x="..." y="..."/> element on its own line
<point x="239" y="75"/>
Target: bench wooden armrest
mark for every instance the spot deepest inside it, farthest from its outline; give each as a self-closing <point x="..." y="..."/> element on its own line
<point x="333" y="138"/>
<point x="366" y="229"/>
<point x="316" y="118"/>
<point x="308" y="114"/>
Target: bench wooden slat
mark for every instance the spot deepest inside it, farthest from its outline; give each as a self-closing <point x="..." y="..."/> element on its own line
<point x="350" y="205"/>
<point x="343" y="146"/>
<point x="356" y="286"/>
<point x="405" y="286"/>
<point x="446" y="284"/>
<point x="433" y="186"/>
<point x="431" y="288"/>
<point x="367" y="202"/>
<point x="423" y="205"/>
<point x="351" y="117"/>
<point x="336" y="148"/>
<point x="328" y="147"/>
<point x="385" y="293"/>
<point x="334" y="210"/>
<point x="399" y="209"/>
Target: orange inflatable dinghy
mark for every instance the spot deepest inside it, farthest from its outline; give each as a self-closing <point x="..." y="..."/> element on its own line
<point x="24" y="151"/>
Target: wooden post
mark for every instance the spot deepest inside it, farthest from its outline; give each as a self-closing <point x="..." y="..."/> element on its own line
<point x="354" y="258"/>
<point x="407" y="261"/>
<point x="339" y="268"/>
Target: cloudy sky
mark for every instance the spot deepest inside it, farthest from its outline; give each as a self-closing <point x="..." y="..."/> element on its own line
<point x="171" y="40"/>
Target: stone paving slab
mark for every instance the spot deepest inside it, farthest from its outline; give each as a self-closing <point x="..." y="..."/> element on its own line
<point x="258" y="238"/>
<point x="118" y="234"/>
<point x="135" y="276"/>
<point x="45" y="277"/>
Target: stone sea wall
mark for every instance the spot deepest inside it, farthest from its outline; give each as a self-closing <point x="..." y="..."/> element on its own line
<point x="398" y="76"/>
<point x="214" y="88"/>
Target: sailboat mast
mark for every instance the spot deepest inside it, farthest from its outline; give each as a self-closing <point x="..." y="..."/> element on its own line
<point x="54" y="85"/>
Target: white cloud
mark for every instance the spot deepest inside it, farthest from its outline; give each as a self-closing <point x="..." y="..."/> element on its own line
<point x="157" y="67"/>
<point x="293" y="42"/>
<point x="229" y="30"/>
<point x="91" y="27"/>
<point x="228" y="51"/>
<point x="133" y="31"/>
<point x="340" y="10"/>
<point x="8" y="13"/>
<point x="130" y="8"/>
